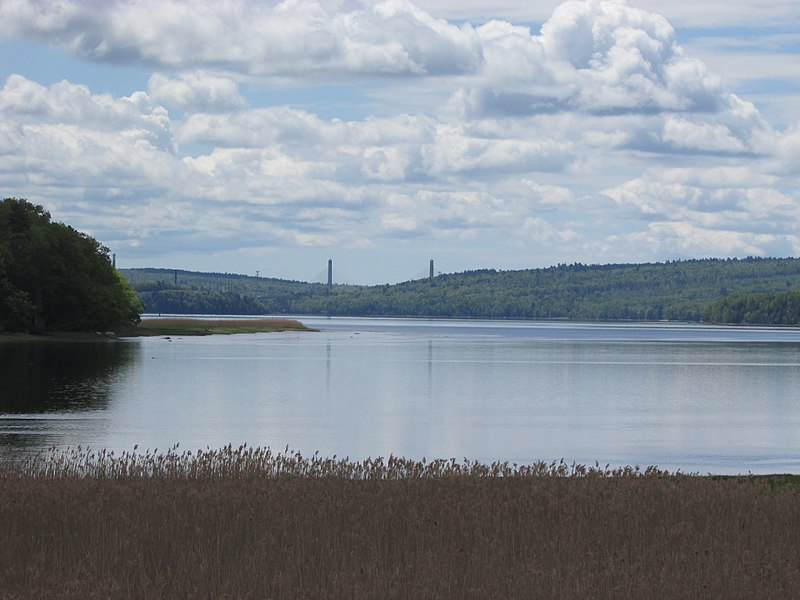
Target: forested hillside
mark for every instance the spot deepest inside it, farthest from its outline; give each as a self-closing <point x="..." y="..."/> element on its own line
<point x="175" y="291"/>
<point x="680" y="290"/>
<point x="774" y="308"/>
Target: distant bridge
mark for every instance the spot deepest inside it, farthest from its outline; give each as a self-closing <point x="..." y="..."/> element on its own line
<point x="326" y="275"/>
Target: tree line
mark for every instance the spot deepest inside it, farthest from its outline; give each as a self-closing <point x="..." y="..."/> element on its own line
<point x="676" y="290"/>
<point x="54" y="278"/>
<point x="777" y="308"/>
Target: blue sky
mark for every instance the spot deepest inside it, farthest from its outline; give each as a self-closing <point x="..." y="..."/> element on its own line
<point x="244" y="136"/>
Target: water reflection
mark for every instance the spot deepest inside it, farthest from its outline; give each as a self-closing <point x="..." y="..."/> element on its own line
<point x="54" y="392"/>
<point x="328" y="370"/>
<point x="48" y="376"/>
<point x="707" y="399"/>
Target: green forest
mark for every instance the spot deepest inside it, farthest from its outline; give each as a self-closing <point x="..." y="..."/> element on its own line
<point x="54" y="278"/>
<point x="711" y="290"/>
<point x="776" y="308"/>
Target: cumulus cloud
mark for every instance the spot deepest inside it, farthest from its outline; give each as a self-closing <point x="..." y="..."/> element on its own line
<point x="293" y="37"/>
<point x="594" y="56"/>
<point x="86" y="156"/>
<point x="196" y="92"/>
<point x="460" y="150"/>
<point x="597" y="138"/>
<point x="255" y="128"/>
<point x="64" y="133"/>
<point x="685" y="240"/>
<point x="597" y="57"/>
<point x="694" y="213"/>
<point x="65" y="103"/>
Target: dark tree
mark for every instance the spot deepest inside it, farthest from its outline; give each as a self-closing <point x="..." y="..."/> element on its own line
<point x="54" y="278"/>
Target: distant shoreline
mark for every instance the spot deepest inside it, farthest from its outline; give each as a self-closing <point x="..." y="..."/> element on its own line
<point x="11" y="337"/>
<point x="166" y="326"/>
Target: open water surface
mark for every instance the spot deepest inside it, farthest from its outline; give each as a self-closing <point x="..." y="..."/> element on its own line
<point x="695" y="398"/>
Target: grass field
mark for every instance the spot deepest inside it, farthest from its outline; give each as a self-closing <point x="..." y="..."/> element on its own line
<point x="196" y="326"/>
<point x="250" y="523"/>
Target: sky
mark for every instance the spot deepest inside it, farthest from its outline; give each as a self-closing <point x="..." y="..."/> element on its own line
<point x="266" y="137"/>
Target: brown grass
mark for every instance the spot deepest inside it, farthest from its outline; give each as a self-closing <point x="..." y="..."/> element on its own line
<point x="249" y="523"/>
<point x="194" y="326"/>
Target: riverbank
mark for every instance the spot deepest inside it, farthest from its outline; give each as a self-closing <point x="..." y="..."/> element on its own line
<point x="247" y="523"/>
<point x="167" y="326"/>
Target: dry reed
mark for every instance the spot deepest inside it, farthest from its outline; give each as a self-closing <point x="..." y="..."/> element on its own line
<point x="251" y="523"/>
<point x="198" y="326"/>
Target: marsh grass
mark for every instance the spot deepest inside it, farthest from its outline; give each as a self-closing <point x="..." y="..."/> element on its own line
<point x="194" y="326"/>
<point x="250" y="523"/>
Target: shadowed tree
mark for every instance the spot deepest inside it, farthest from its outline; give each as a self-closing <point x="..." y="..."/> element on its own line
<point x="54" y="278"/>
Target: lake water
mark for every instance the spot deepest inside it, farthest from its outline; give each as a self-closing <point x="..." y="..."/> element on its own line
<point x="696" y="398"/>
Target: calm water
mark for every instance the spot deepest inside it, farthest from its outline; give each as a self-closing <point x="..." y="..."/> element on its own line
<point x="707" y="399"/>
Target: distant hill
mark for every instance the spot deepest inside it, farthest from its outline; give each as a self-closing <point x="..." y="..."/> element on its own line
<point x="679" y="290"/>
<point x="176" y="291"/>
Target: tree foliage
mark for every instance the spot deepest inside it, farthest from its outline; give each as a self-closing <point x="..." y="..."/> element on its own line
<point x="201" y="302"/>
<point x="54" y="278"/>
<point x="776" y="308"/>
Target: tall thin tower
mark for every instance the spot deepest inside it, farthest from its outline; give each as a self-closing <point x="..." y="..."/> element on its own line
<point x="330" y="275"/>
<point x="431" y="275"/>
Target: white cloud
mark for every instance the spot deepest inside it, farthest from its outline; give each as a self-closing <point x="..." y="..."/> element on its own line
<point x="549" y="195"/>
<point x="384" y="164"/>
<point x="459" y="150"/>
<point x="542" y="232"/>
<point x="196" y="92"/>
<point x="291" y="38"/>
<point x="682" y="13"/>
<point x="596" y="56"/>
<point x="787" y="152"/>
<point x="66" y="103"/>
<point x="67" y="136"/>
<point x="597" y="139"/>
<point x="685" y="240"/>
<point x="733" y="203"/>
<point x="681" y="133"/>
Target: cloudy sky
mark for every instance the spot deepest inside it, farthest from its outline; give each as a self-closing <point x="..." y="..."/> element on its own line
<point x="242" y="135"/>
